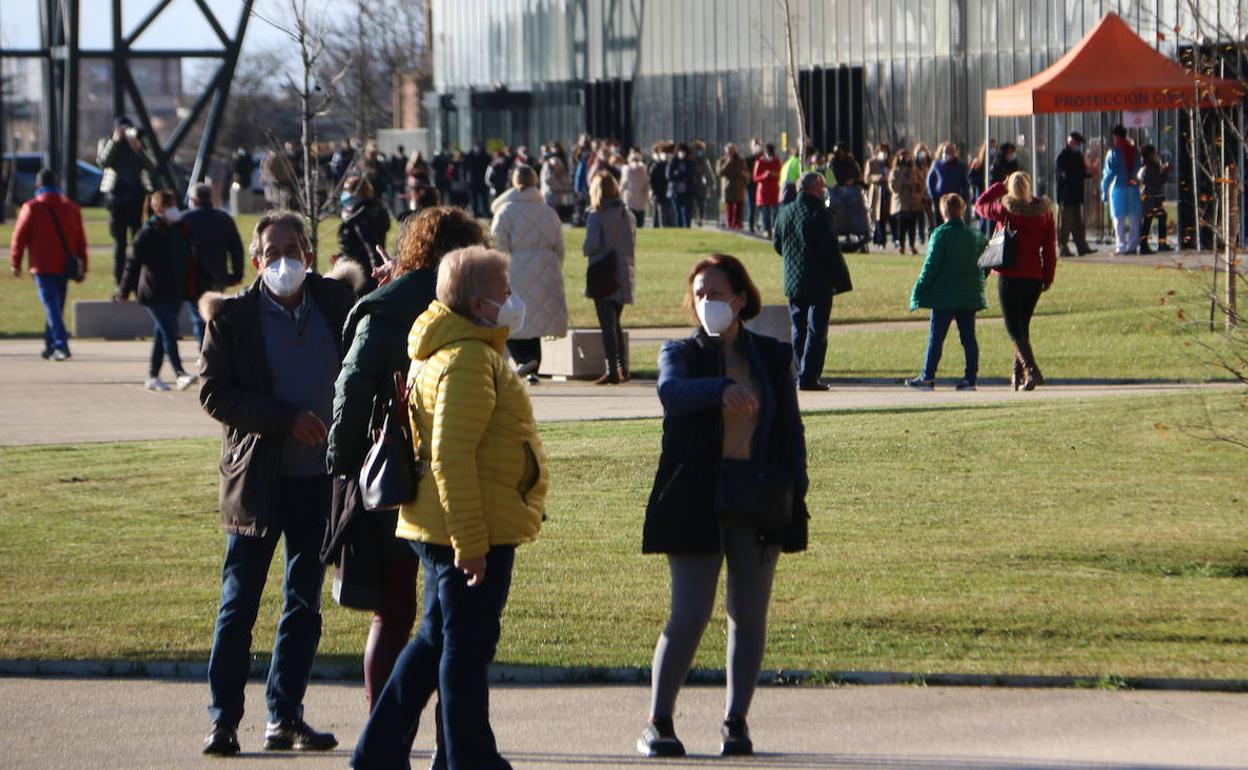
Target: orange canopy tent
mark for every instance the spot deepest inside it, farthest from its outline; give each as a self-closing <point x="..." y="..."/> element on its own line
<point x="1110" y="69"/>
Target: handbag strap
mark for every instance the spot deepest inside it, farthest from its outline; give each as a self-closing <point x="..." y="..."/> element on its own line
<point x="60" y="234"/>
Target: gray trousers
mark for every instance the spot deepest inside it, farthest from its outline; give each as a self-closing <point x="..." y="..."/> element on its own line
<point x="751" y="568"/>
<point x="1070" y="223"/>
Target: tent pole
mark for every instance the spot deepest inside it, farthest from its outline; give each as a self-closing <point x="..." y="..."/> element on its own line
<point x="1035" y="168"/>
<point x="987" y="151"/>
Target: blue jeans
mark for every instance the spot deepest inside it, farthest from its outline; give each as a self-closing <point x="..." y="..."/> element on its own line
<point x="769" y="216"/>
<point x="450" y="655"/>
<point x="680" y="205"/>
<point x="164" y="337"/>
<point x="197" y="321"/>
<point x="937" y="330"/>
<point x="303" y="511"/>
<point x="810" y="337"/>
<point x="52" y="290"/>
<point x="751" y="207"/>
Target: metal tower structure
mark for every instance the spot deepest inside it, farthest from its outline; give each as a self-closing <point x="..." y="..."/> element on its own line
<point x="60" y="54"/>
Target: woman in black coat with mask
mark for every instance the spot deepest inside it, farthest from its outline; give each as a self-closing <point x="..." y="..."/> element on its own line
<point x="731" y="487"/>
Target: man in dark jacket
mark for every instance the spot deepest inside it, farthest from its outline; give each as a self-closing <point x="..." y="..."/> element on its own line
<point x="215" y="239"/>
<point x="814" y="271"/>
<point x="476" y="168"/>
<point x="37" y="231"/>
<point x="1072" y="172"/>
<point x="125" y="183"/>
<point x="949" y="175"/>
<point x="269" y="362"/>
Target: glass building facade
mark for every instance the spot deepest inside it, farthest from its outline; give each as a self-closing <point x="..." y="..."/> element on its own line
<point x="527" y="71"/>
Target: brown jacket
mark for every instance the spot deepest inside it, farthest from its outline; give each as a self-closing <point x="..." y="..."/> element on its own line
<point x="236" y="390"/>
<point x="736" y="177"/>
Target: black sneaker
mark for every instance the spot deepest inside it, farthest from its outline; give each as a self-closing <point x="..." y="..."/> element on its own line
<point x="735" y="735"/>
<point x="918" y="383"/>
<point x="222" y="741"/>
<point x="296" y="735"/>
<point x="816" y="386"/>
<point x="46" y="354"/>
<point x="659" y="739"/>
<point x="964" y="384"/>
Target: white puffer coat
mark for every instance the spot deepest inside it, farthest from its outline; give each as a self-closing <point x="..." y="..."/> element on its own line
<point x="530" y="232"/>
<point x="635" y="186"/>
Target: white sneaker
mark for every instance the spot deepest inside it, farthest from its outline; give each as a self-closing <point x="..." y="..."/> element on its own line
<point x="155" y="384"/>
<point x="186" y="380"/>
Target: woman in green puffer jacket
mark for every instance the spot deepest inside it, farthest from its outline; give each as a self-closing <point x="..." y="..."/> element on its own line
<point x="374" y="572"/>
<point x="951" y="284"/>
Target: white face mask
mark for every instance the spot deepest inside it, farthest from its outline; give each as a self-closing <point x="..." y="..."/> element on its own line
<point x="881" y="156"/>
<point x="716" y="316"/>
<point x="171" y="214"/>
<point x="510" y="313"/>
<point x="284" y="276"/>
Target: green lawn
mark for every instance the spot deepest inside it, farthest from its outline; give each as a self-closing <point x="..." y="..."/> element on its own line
<point x="1082" y="538"/>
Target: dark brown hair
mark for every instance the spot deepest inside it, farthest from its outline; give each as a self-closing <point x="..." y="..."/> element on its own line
<point x="166" y="198"/>
<point x="738" y="279"/>
<point x="433" y="233"/>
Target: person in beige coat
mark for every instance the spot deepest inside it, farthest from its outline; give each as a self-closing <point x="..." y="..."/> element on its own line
<point x="908" y="185"/>
<point x="732" y="170"/>
<point x="528" y="230"/>
<point x="635" y="186"/>
<point x="879" y="199"/>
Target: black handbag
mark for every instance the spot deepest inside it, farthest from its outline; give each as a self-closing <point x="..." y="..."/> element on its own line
<point x="74" y="269"/>
<point x="753" y="495"/>
<point x="1002" y="249"/>
<point x="601" y="277"/>
<point x="390" y="475"/>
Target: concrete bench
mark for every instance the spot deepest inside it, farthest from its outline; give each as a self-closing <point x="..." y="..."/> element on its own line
<point x="772" y="321"/>
<point x="578" y="356"/>
<point x="119" y="321"/>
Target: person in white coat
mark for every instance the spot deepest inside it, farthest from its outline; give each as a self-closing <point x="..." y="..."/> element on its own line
<point x="527" y="229"/>
<point x="635" y="186"/>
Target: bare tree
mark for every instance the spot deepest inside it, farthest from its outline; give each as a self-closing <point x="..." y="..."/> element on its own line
<point x="377" y="41"/>
<point x="316" y="92"/>
<point x="791" y="70"/>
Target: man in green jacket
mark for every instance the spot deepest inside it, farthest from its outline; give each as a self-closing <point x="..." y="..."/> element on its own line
<point x="814" y="272"/>
<point x="951" y="283"/>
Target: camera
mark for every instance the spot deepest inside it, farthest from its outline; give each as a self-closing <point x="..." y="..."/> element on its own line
<point x="132" y="132"/>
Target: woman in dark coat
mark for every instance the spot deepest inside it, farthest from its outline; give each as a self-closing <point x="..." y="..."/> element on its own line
<point x="161" y="271"/>
<point x="374" y="572"/>
<point x="365" y="223"/>
<point x="729" y="405"/>
<point x="680" y="185"/>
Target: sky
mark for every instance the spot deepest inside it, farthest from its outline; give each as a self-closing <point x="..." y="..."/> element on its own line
<point x="180" y="26"/>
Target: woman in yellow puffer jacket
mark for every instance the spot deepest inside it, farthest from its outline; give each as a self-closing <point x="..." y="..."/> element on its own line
<point x="482" y="495"/>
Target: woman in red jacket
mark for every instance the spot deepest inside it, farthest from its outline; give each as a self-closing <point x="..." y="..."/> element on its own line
<point x="1035" y="261"/>
<point x="767" y="187"/>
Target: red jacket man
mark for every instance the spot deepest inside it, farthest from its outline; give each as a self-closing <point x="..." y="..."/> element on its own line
<point x="36" y="231"/>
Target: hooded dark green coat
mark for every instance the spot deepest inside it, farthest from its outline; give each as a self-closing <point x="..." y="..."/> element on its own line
<point x="375" y="336"/>
<point x="805" y="239"/>
<point x="951" y="278"/>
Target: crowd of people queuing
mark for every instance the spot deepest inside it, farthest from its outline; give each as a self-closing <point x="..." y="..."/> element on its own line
<point x="298" y="368"/>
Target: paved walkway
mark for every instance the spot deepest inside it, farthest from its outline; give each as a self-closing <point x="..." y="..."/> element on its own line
<point x="98" y="396"/>
<point x="61" y="723"/>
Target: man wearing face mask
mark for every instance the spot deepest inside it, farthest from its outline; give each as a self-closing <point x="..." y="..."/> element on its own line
<point x="814" y="271"/>
<point x="1072" y="175"/>
<point x="269" y="361"/>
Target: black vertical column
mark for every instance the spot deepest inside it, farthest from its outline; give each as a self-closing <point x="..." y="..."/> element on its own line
<point x="69" y="110"/>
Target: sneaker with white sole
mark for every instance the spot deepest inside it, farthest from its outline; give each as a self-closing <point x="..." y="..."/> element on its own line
<point x="918" y="383"/>
<point x="59" y="355"/>
<point x="155" y="384"/>
<point x="186" y="380"/>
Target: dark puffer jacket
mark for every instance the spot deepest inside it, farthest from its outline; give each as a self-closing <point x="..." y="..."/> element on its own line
<point x="162" y="268"/>
<point x="814" y="268"/>
<point x="680" y="516"/>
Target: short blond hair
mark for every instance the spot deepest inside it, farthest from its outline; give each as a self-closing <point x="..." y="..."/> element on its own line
<point x="465" y="274"/>
<point x="1018" y="186"/>
<point x="952" y="206"/>
<point x="602" y="187"/>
